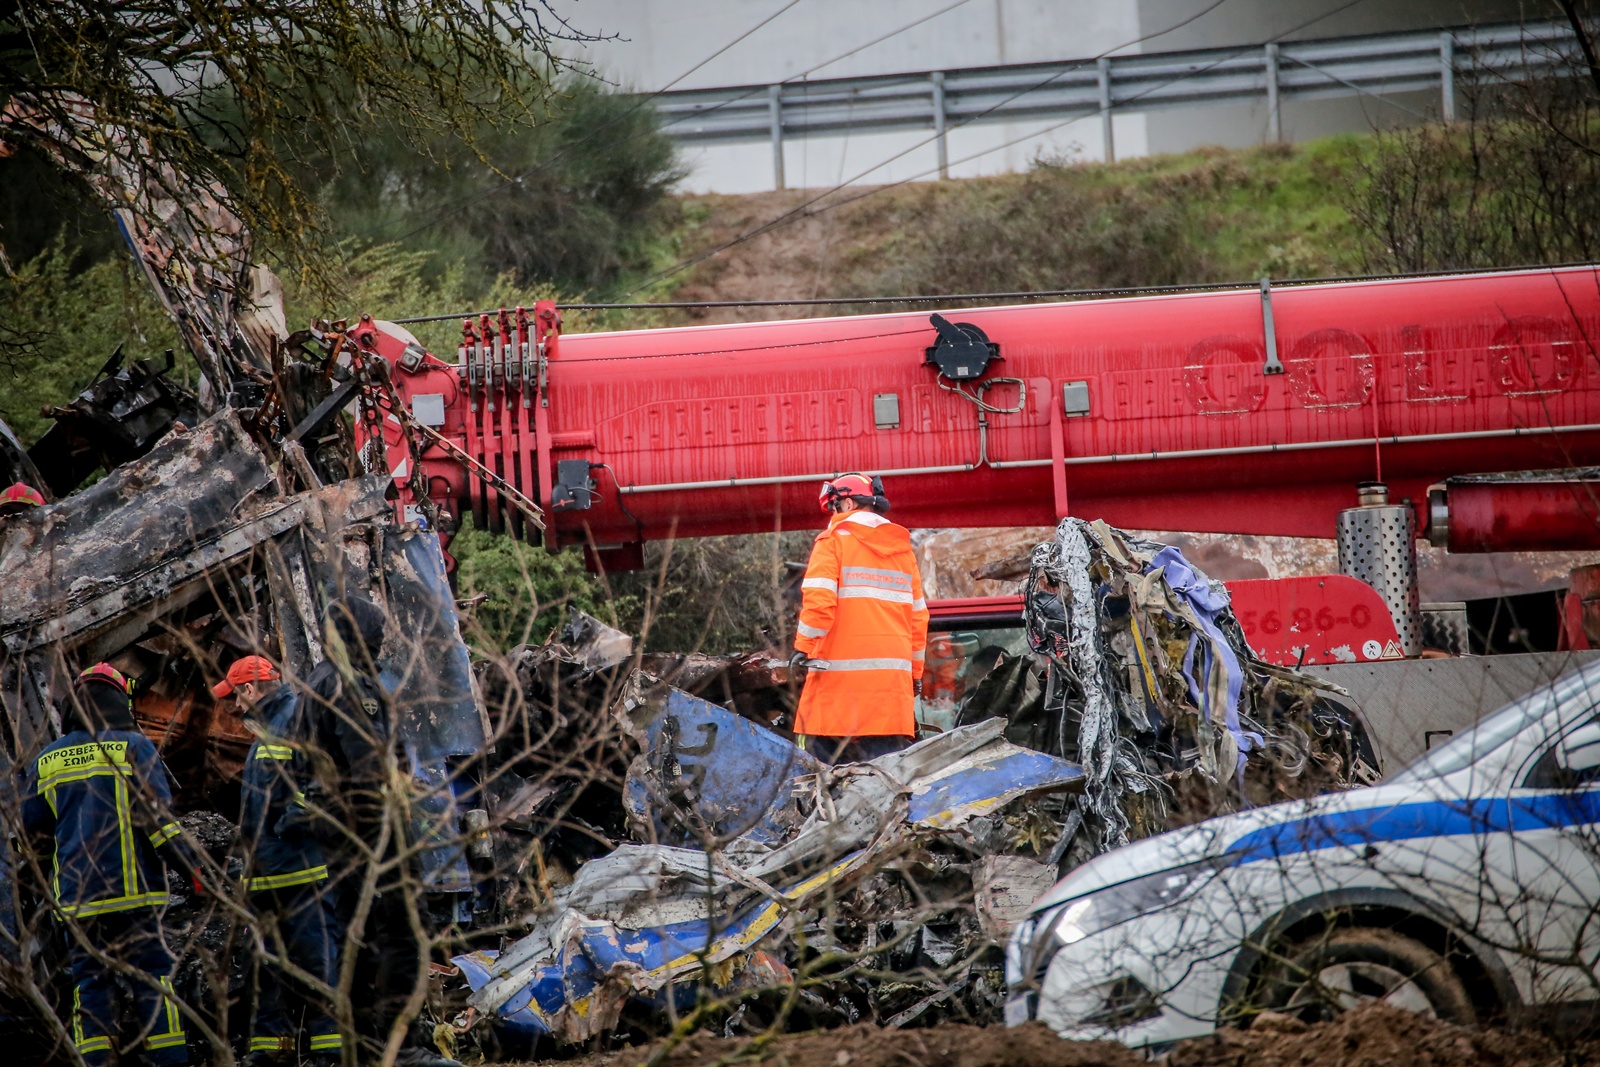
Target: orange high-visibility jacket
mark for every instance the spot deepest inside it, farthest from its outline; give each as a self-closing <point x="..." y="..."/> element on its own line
<point x="864" y="625"/>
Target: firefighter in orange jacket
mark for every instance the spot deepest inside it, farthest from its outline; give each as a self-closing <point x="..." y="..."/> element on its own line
<point x="863" y="629"/>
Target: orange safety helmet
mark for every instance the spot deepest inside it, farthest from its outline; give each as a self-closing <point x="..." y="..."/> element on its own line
<point x="18" y="496"/>
<point x="867" y="491"/>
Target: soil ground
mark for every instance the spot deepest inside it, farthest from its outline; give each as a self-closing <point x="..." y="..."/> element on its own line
<point x="1374" y="1036"/>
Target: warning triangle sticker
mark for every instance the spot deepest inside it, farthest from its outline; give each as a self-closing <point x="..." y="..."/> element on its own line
<point x="1393" y="651"/>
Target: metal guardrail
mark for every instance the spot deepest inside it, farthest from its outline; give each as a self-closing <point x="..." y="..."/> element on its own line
<point x="939" y="100"/>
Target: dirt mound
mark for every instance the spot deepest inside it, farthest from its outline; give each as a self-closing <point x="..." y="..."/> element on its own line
<point x="1374" y="1036"/>
<point x="1379" y="1036"/>
<point x="946" y="1045"/>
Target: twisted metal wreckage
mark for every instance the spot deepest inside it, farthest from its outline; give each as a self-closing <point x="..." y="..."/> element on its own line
<point x="229" y="518"/>
<point x="879" y="890"/>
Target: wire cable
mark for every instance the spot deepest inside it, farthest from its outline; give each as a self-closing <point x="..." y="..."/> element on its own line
<point x="948" y="299"/>
<point x="468" y="202"/>
<point x="754" y="90"/>
<point x="516" y="179"/>
<point x="802" y="210"/>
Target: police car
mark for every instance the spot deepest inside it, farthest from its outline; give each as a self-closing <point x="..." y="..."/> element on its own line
<point x="1467" y="887"/>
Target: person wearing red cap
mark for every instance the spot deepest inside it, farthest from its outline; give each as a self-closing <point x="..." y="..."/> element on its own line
<point x="863" y="629"/>
<point x="285" y="875"/>
<point x="97" y="808"/>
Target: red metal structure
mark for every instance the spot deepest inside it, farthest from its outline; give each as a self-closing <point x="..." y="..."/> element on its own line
<point x="1234" y="412"/>
<point x="1292" y="622"/>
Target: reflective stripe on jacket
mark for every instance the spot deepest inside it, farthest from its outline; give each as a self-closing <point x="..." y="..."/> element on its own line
<point x="864" y="625"/>
<point x="106" y="800"/>
<point x="275" y="858"/>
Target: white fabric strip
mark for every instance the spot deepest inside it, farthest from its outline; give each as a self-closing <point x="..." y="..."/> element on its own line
<point x="870" y="593"/>
<point x="866" y="518"/>
<point x="820" y="583"/>
<point x="812" y="631"/>
<point x="919" y="604"/>
<point x="861" y="665"/>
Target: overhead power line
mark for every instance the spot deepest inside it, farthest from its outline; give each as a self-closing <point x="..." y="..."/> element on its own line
<point x="803" y="210"/>
<point x="951" y="299"/>
<point x="451" y="211"/>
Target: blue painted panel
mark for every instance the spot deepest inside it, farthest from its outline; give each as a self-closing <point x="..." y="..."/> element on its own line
<point x="733" y="773"/>
<point x="1024" y="771"/>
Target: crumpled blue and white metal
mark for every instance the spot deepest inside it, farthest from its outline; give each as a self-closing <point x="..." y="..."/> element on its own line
<point x="649" y="921"/>
<point x="1210" y="667"/>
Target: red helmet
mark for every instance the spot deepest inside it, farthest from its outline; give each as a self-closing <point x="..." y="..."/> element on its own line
<point x="92" y="688"/>
<point x="106" y="673"/>
<point x="20" y="495"/>
<point x="867" y="491"/>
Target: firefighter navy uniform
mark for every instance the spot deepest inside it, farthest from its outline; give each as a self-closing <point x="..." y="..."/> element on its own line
<point x="864" y="626"/>
<point x="352" y="749"/>
<point x="96" y="801"/>
<point x="286" y="876"/>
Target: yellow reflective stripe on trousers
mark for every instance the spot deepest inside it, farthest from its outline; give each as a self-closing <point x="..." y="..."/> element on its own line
<point x="266" y="751"/>
<point x="166" y="833"/>
<point x="326" y="1042"/>
<point x="292" y="878"/>
<point x="79" y="1042"/>
<point x="173" y="1036"/>
<point x="271" y="1044"/>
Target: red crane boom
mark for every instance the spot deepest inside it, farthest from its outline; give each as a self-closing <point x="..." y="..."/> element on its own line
<point x="1234" y="412"/>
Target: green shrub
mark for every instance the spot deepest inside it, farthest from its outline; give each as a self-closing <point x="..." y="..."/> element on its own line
<point x="58" y="325"/>
<point x="576" y="201"/>
<point x="529" y="592"/>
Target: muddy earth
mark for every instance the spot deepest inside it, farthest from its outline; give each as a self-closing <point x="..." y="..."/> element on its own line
<point x="1374" y="1036"/>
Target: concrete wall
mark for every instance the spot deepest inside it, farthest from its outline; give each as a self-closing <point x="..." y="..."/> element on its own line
<point x="657" y="41"/>
<point x="651" y="45"/>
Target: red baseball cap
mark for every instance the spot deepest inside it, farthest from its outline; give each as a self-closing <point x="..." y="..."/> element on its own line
<point x="248" y="669"/>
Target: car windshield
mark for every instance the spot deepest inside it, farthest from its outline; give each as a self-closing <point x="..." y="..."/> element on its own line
<point x="1496" y="729"/>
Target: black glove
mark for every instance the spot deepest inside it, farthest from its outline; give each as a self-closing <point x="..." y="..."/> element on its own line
<point x="916" y="686"/>
<point x="797" y="664"/>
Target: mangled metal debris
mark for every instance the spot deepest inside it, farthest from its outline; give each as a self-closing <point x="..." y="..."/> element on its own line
<point x="1148" y="682"/>
<point x="751" y="853"/>
<point x="183" y="559"/>
<point x="748" y="861"/>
